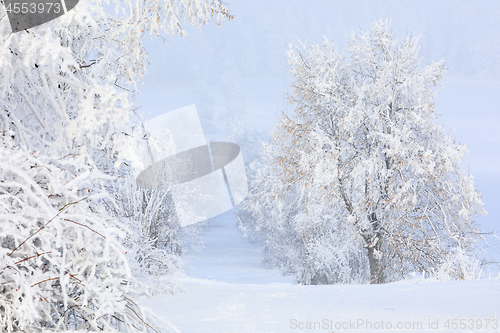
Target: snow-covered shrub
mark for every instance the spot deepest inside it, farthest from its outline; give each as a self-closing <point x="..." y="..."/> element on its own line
<point x="67" y="115"/>
<point x="299" y="233"/>
<point x="363" y="165"/>
<point x="458" y="265"/>
<point x="61" y="265"/>
<point x="155" y="239"/>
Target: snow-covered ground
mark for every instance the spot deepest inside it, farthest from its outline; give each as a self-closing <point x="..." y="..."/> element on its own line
<point x="228" y="258"/>
<point x="227" y="289"/>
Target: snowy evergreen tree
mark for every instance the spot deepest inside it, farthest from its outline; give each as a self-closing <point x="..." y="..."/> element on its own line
<point x="364" y="142"/>
<point x="67" y="108"/>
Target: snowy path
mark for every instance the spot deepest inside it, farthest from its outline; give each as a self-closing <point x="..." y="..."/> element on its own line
<point x="227" y="257"/>
<point x="228" y="290"/>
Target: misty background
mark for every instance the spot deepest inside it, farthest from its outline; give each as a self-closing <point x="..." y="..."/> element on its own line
<point x="238" y="72"/>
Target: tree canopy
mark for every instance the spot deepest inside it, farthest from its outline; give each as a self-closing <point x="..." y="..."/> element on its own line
<point x="363" y="144"/>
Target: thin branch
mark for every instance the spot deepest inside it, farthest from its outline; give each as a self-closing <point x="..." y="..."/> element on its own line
<point x="87" y="66"/>
<point x="60" y="158"/>
<point x="51" y="279"/>
<point x="139" y="317"/>
<point x="52" y="219"/>
<point x="116" y="84"/>
<point x="86" y="226"/>
<point x="35" y="256"/>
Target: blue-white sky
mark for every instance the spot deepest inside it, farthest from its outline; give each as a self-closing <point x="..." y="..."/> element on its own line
<point x="240" y="68"/>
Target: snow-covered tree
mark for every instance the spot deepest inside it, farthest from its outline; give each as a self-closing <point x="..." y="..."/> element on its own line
<point x="364" y="141"/>
<point x="299" y="233"/>
<point x="67" y="108"/>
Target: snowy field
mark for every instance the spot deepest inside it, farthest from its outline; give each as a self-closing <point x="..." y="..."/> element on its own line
<point x="227" y="289"/>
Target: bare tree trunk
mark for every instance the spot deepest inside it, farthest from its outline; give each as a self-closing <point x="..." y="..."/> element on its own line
<point x="373" y="246"/>
<point x="375" y="273"/>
